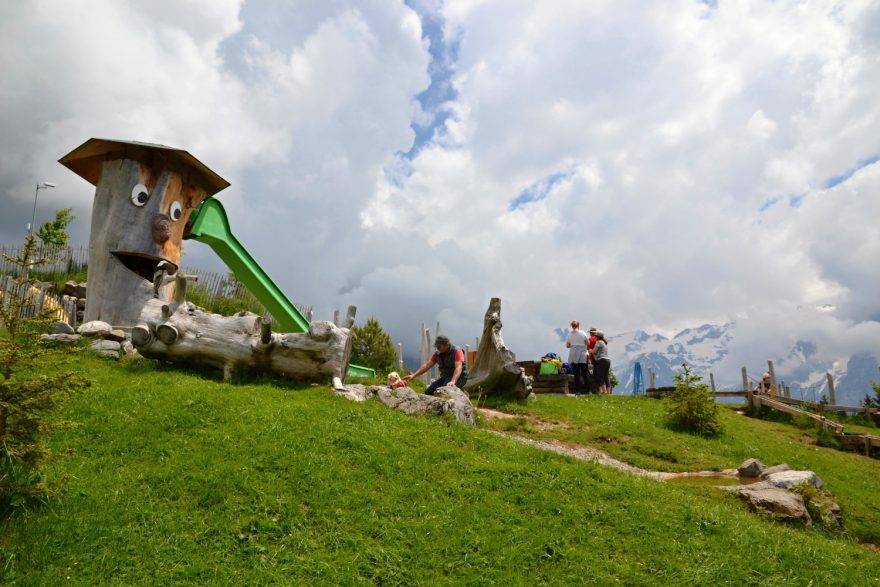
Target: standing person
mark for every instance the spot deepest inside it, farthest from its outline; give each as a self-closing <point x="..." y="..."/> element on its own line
<point x="577" y="358"/>
<point x="591" y="368"/>
<point x="602" y="361"/>
<point x="453" y="370"/>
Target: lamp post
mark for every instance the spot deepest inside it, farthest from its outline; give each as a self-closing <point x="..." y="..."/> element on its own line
<point x="40" y="186"/>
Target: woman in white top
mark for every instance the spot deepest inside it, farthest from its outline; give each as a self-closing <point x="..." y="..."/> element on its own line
<point x="577" y="357"/>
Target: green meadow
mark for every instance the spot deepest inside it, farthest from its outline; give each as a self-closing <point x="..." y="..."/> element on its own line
<point x="176" y="478"/>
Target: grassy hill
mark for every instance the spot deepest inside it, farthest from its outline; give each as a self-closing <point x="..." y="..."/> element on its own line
<point x="176" y="478"/>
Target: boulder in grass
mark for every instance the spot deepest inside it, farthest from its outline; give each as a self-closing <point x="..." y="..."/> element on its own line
<point x="106" y="348"/>
<point x="788" y="479"/>
<point x="61" y="327"/>
<point x="751" y="468"/>
<point x="776" y="502"/>
<point x="775" y="469"/>
<point x="115" y="334"/>
<point x="94" y="329"/>
<point x="63" y="338"/>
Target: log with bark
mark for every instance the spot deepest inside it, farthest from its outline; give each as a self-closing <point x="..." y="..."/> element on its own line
<point x="495" y="371"/>
<point x="178" y="331"/>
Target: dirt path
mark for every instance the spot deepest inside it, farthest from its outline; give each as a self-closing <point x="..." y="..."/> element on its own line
<point x="588" y="453"/>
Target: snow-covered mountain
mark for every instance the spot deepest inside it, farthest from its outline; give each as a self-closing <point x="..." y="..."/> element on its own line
<point x="711" y="349"/>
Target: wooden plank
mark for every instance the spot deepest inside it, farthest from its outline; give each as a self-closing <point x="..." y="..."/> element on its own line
<point x="782" y="407"/>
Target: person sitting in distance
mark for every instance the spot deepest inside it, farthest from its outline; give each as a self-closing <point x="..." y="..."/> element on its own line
<point x="394" y="380"/>
<point x="453" y="370"/>
<point x="766" y="386"/>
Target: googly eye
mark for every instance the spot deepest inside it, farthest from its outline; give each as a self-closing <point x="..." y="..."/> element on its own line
<point x="139" y="195"/>
<point x="176" y="211"/>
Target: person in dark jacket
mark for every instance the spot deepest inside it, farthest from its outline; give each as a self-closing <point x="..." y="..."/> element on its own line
<point x="450" y="360"/>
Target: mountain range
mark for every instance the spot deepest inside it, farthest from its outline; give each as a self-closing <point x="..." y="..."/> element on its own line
<point x="707" y="350"/>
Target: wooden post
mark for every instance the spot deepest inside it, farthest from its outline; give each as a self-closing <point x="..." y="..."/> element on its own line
<point x="430" y="374"/>
<point x="712" y="381"/>
<point x="831" y="397"/>
<point x="467" y="352"/>
<point x="265" y="330"/>
<point x="400" y="356"/>
<point x="781" y="389"/>
<point x="748" y="389"/>
<point x="651" y="383"/>
<point x="772" y="379"/>
<point x="336" y="317"/>
<point x="350" y="313"/>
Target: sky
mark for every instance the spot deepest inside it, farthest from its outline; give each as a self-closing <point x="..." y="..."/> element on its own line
<point x="632" y="165"/>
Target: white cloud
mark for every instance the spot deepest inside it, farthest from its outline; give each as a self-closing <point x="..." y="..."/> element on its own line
<point x="650" y="140"/>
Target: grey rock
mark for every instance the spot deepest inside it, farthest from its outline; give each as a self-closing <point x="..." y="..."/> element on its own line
<point x="116" y="334"/>
<point x="126" y="348"/>
<point x="775" y="501"/>
<point x="409" y="402"/>
<point x="357" y="392"/>
<point x="74" y="289"/>
<point x="95" y="328"/>
<point x="458" y="404"/>
<point x="106" y="348"/>
<point x="775" y="469"/>
<point x="787" y="479"/>
<point x="66" y="338"/>
<point x="61" y="327"/>
<point x="751" y="468"/>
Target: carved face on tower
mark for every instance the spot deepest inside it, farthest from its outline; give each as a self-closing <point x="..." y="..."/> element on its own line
<point x="144" y="197"/>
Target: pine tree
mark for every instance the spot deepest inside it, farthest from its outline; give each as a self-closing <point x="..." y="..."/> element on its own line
<point x="372" y="347"/>
<point x="691" y="406"/>
<point x="32" y="388"/>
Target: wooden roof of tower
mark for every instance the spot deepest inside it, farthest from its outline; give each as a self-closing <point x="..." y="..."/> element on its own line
<point x="86" y="161"/>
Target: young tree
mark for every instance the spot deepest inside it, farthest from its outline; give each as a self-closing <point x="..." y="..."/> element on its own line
<point x="691" y="406"/>
<point x="32" y="388"/>
<point x="372" y="347"/>
<point x="54" y="232"/>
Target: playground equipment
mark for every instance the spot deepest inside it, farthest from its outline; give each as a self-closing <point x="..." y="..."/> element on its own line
<point x="149" y="198"/>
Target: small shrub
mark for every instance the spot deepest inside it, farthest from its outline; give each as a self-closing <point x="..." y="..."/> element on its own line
<point x="32" y="389"/>
<point x="691" y="407"/>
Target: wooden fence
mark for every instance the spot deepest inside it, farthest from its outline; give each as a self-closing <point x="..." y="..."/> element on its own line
<point x="61" y="261"/>
<point x="782" y="402"/>
<point x="34" y="299"/>
<point x="216" y="286"/>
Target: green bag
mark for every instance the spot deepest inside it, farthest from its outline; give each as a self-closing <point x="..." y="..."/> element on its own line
<point x="548" y="368"/>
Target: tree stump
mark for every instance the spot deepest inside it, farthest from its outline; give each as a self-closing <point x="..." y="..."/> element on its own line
<point x="495" y="371"/>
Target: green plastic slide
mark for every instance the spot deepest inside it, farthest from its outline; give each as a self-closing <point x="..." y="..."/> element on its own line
<point x="210" y="225"/>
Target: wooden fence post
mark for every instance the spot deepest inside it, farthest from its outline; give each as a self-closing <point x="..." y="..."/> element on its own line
<point x="747" y="388"/>
<point x="651" y="383"/>
<point x="712" y="381"/>
<point x="831" y="397"/>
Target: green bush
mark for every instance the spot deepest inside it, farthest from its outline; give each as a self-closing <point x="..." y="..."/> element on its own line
<point x="691" y="407"/>
<point x="371" y="346"/>
<point x="33" y="386"/>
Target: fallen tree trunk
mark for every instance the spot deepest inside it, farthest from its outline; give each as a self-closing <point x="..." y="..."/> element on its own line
<point x="180" y="332"/>
<point x="495" y="371"/>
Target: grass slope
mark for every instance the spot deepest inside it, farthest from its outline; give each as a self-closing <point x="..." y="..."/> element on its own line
<point x="173" y="478"/>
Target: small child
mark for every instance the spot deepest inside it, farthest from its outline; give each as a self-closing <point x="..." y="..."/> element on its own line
<point x="394" y="380"/>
